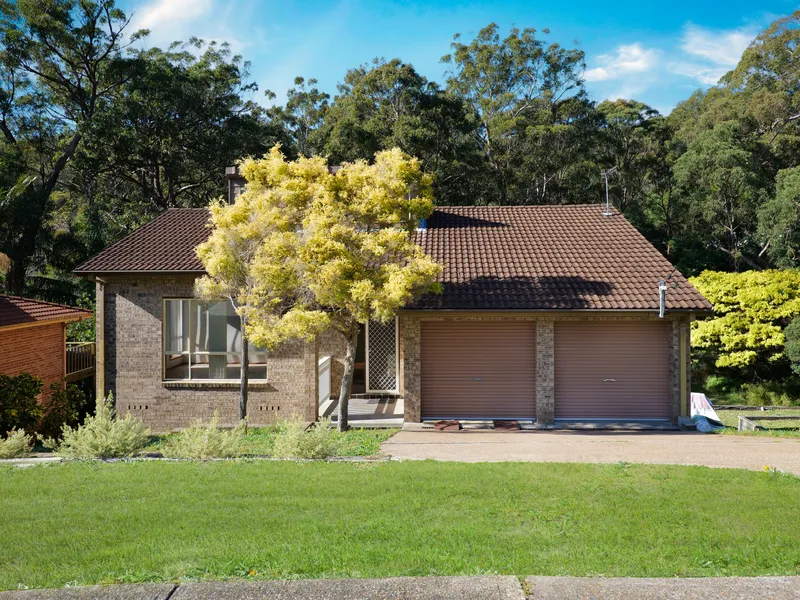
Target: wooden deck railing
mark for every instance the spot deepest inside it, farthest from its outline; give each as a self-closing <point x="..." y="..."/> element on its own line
<point x="80" y="360"/>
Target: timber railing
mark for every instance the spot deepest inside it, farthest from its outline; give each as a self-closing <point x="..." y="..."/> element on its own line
<point x="80" y="358"/>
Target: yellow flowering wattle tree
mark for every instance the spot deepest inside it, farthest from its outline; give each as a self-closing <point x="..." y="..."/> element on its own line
<point x="331" y="249"/>
<point x="752" y="309"/>
<point x="251" y="260"/>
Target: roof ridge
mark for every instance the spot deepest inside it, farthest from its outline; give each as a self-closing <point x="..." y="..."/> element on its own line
<point x="527" y="207"/>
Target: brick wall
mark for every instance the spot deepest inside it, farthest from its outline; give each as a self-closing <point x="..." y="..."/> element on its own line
<point x="545" y="364"/>
<point x="133" y="365"/>
<point x="38" y="350"/>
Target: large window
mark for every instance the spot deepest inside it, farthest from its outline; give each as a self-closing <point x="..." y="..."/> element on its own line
<point x="203" y="341"/>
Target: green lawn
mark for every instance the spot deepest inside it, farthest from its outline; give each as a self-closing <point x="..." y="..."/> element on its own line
<point x="730" y="418"/>
<point x="84" y="523"/>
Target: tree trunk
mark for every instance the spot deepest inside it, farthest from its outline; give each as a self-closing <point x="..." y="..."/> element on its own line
<point x="347" y="382"/>
<point x="15" y="279"/>
<point x="21" y="255"/>
<point x="243" y="378"/>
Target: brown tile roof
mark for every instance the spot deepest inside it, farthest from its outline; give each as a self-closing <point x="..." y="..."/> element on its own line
<point x="547" y="258"/>
<point x="19" y="311"/>
<point x="499" y="257"/>
<point x="165" y="244"/>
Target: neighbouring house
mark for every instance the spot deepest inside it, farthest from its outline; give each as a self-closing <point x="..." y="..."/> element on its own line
<point x="33" y="340"/>
<point x="547" y="312"/>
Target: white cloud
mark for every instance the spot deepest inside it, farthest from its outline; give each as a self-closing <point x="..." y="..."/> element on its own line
<point x="653" y="69"/>
<point x="708" y="54"/>
<point x="163" y="14"/>
<point x="625" y="60"/>
<point x="705" y="74"/>
<point x="171" y="20"/>
<point x="722" y="48"/>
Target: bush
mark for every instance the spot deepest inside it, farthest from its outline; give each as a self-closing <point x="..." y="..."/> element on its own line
<point x="19" y="406"/>
<point x="104" y="435"/>
<point x="16" y="445"/>
<point x="294" y="441"/>
<point x="63" y="408"/>
<point x="768" y="394"/>
<point x="791" y="336"/>
<point x="206" y="440"/>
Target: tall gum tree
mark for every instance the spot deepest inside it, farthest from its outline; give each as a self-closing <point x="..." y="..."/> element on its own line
<point x="68" y="56"/>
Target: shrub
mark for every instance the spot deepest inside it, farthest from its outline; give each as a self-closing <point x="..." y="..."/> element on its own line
<point x="206" y="440"/>
<point x="791" y="336"/>
<point x="104" y="435"/>
<point x="768" y="394"/>
<point x="16" y="445"/>
<point x="63" y="408"/>
<point x="294" y="441"/>
<point x="19" y="406"/>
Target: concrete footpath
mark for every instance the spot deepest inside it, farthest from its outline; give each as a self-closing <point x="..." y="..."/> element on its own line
<point x="673" y="448"/>
<point x="441" y="588"/>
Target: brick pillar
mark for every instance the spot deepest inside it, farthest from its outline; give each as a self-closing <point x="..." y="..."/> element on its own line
<point x="311" y="387"/>
<point x="545" y="372"/>
<point x="412" y="369"/>
<point x="680" y="386"/>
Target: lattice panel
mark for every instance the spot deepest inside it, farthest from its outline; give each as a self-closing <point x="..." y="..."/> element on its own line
<point x="382" y="344"/>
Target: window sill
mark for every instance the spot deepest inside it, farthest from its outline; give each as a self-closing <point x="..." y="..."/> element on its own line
<point x="225" y="384"/>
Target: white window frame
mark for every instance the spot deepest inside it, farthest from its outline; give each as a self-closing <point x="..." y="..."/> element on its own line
<point x="165" y="353"/>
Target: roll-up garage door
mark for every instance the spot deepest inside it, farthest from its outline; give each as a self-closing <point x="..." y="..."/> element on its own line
<point x="611" y="370"/>
<point x="478" y="370"/>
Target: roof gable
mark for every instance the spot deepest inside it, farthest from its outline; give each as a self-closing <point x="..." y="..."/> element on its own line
<point x="166" y="244"/>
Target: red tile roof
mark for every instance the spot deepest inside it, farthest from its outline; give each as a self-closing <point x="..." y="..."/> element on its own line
<point x="494" y="257"/>
<point x="19" y="311"/>
<point x="547" y="258"/>
<point x="165" y="244"/>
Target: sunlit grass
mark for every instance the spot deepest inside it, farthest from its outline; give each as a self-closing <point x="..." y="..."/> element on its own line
<point x="154" y="521"/>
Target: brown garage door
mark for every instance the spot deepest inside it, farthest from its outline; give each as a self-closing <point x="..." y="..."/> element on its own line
<point x="611" y="370"/>
<point x="478" y="370"/>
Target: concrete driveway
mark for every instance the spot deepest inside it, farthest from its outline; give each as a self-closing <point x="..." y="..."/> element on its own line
<point x="674" y="448"/>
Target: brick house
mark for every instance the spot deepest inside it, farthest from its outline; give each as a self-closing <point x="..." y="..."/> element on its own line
<point x="547" y="313"/>
<point x="33" y="339"/>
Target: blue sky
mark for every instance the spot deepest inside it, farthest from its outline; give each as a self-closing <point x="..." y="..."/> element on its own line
<point x="657" y="52"/>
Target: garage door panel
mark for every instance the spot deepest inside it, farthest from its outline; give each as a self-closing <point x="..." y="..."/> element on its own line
<point x="478" y="369"/>
<point x="611" y="370"/>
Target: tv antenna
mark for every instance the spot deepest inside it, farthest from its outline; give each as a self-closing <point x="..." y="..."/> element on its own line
<point x="605" y="175"/>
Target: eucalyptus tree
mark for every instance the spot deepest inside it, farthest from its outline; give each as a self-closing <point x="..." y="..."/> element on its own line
<point x="388" y="104"/>
<point x="63" y="61"/>
<point x="510" y="84"/>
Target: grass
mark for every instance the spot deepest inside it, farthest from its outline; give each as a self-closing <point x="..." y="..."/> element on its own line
<point x="730" y="418"/>
<point x="86" y="523"/>
<point x="258" y="441"/>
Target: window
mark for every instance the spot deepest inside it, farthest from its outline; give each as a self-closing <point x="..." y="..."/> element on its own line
<point x="203" y="341"/>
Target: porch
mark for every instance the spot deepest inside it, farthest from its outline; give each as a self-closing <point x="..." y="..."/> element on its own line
<point x="368" y="410"/>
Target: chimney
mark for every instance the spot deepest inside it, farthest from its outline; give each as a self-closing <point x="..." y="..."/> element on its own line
<point x="236" y="183"/>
